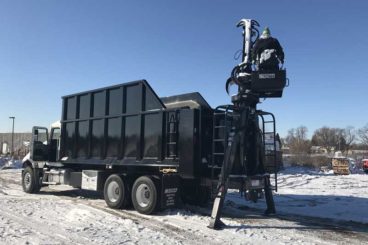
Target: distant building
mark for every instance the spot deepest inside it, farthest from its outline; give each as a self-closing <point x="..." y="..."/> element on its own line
<point x="20" y="143"/>
<point x="285" y="149"/>
<point x="359" y="152"/>
<point x="318" y="149"/>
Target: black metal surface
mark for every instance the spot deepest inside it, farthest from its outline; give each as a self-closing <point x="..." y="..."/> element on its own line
<point x="110" y="123"/>
<point x="189" y="152"/>
<point x="114" y="131"/>
<point x="115" y="98"/>
<point x="132" y="128"/>
<point x="128" y="125"/>
<point x="152" y="143"/>
<point x="268" y="84"/>
<point x="170" y="190"/>
<point x="70" y="104"/>
<point x="83" y="139"/>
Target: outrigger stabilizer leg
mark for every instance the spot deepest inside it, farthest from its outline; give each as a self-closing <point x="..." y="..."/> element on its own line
<point x="269" y="197"/>
<point x="233" y="143"/>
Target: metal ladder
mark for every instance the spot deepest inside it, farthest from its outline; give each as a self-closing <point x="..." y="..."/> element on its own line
<point x="221" y="122"/>
<point x="232" y="144"/>
<point x="269" y="140"/>
<point x="171" y="134"/>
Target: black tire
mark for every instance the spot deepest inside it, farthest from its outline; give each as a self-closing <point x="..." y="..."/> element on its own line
<point x="31" y="180"/>
<point x="144" y="195"/>
<point x="116" y="193"/>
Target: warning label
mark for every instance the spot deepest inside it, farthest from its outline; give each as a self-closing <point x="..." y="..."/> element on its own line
<point x="170" y="196"/>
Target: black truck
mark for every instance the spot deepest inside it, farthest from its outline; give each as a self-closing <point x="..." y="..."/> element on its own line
<point x="154" y="152"/>
<point x="134" y="146"/>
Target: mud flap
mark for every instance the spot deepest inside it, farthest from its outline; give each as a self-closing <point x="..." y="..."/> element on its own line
<point x="170" y="191"/>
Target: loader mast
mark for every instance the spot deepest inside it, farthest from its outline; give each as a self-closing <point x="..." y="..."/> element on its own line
<point x="245" y="148"/>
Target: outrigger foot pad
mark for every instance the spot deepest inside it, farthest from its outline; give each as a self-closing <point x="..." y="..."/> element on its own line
<point x="270" y="212"/>
<point x="216" y="224"/>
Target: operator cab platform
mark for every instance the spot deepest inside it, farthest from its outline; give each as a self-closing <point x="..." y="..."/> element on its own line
<point x="268" y="84"/>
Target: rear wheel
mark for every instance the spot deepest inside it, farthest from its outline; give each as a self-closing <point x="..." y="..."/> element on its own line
<point x="31" y="180"/>
<point x="115" y="192"/>
<point x="144" y="195"/>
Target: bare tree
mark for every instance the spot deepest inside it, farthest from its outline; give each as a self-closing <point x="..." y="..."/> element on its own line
<point x="323" y="137"/>
<point x="349" y="135"/>
<point x="329" y="138"/>
<point x="297" y="140"/>
<point x="363" y="135"/>
<point x="338" y="139"/>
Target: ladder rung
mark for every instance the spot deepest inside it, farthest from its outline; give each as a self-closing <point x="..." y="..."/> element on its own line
<point x="219" y="140"/>
<point x="218" y="154"/>
<point x="220" y="126"/>
<point x="171" y="143"/>
<point x="268" y="132"/>
<point x="269" y="121"/>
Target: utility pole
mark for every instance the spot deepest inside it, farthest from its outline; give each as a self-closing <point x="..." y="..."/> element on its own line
<point x="12" y="138"/>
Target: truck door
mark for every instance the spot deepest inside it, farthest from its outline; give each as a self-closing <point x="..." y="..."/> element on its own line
<point x="54" y="145"/>
<point x="39" y="146"/>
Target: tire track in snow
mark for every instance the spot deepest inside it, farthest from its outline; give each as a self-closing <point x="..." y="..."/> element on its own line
<point x="329" y="229"/>
<point x="328" y="233"/>
<point x="43" y="229"/>
<point x="150" y="222"/>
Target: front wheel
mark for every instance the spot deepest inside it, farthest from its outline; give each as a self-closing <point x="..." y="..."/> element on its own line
<point x="144" y="195"/>
<point x="31" y="180"/>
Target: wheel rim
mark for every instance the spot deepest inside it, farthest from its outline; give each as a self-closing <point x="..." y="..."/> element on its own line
<point x="113" y="191"/>
<point x="143" y="195"/>
<point x="27" y="180"/>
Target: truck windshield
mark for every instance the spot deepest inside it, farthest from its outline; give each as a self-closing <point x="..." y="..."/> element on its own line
<point x="55" y="134"/>
<point x="42" y="137"/>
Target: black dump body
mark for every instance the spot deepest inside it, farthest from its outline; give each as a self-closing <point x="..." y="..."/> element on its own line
<point x="128" y="125"/>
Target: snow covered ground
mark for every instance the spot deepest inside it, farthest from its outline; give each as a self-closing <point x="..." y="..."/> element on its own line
<point x="7" y="162"/>
<point x="60" y="215"/>
<point x="310" y="193"/>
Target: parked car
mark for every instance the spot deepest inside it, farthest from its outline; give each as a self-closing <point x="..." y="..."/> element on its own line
<point x="365" y="165"/>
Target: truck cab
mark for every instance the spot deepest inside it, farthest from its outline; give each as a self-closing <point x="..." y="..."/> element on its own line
<point x="45" y="146"/>
<point x="44" y="151"/>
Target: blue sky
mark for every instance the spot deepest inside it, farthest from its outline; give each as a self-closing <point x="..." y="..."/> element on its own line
<point x="51" y="48"/>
